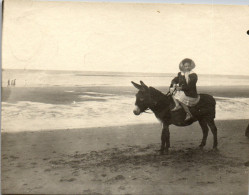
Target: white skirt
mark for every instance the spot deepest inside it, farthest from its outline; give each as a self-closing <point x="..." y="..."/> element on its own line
<point x="189" y="101"/>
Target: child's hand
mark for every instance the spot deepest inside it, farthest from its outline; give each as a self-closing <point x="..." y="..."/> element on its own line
<point x="178" y="88"/>
<point x="172" y="89"/>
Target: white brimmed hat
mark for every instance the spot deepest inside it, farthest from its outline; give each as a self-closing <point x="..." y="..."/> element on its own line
<point x="192" y="63"/>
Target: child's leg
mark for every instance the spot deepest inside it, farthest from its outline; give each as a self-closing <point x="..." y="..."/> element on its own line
<point x="177" y="104"/>
<point x="186" y="109"/>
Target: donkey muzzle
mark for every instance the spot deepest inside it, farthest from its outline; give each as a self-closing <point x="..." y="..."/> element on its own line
<point x="136" y="110"/>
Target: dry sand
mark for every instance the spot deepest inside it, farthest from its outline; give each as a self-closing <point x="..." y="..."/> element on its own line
<point x="122" y="160"/>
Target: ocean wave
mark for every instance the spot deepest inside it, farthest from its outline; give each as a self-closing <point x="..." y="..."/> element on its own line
<point x="232" y="108"/>
<point x="98" y="93"/>
<point x="25" y="115"/>
<point x="69" y="91"/>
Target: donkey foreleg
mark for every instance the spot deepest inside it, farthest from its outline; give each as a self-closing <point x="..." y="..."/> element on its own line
<point x="213" y="128"/>
<point x="204" y="128"/>
<point x="165" y="139"/>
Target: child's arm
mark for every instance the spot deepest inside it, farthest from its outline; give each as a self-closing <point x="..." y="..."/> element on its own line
<point x="192" y="82"/>
<point x="175" y="80"/>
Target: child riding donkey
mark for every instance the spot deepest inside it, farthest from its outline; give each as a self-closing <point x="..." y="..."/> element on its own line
<point x="183" y="88"/>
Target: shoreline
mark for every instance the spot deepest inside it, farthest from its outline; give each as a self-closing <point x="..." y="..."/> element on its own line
<point x="111" y="126"/>
<point x="122" y="160"/>
<point x="62" y="107"/>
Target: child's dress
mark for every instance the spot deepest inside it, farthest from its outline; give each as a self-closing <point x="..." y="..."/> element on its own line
<point x="188" y="95"/>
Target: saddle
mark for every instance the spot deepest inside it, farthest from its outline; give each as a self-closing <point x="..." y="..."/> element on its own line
<point x="205" y="106"/>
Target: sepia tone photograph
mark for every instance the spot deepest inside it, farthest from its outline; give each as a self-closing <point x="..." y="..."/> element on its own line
<point x="102" y="98"/>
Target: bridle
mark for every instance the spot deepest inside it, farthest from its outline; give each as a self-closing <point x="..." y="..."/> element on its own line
<point x="167" y="94"/>
<point x="146" y="111"/>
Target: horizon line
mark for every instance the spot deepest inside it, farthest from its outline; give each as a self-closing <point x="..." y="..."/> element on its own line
<point x="120" y="71"/>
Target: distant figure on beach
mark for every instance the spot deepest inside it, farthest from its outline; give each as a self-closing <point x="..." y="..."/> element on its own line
<point x="185" y="86"/>
<point x="8" y="83"/>
<point x="13" y="82"/>
<point x="247" y="131"/>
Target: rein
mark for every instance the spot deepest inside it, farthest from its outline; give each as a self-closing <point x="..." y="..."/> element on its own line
<point x="147" y="112"/>
<point x="169" y="93"/>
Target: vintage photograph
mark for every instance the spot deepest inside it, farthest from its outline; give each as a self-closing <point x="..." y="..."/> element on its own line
<point x="124" y="98"/>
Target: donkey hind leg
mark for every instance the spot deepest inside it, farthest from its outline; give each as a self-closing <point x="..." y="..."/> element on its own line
<point x="204" y="128"/>
<point x="165" y="139"/>
<point x="213" y="128"/>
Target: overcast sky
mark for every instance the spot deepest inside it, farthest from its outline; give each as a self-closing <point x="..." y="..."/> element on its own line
<point x="125" y="36"/>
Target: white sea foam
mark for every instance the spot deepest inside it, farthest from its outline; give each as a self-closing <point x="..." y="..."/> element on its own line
<point x="232" y="108"/>
<point x="91" y="97"/>
<point x="114" y="111"/>
<point x="98" y="93"/>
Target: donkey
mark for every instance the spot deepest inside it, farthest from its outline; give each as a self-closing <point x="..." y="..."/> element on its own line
<point x="247" y="131"/>
<point x="161" y="105"/>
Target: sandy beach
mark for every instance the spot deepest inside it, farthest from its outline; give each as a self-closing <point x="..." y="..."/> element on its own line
<point x="82" y="139"/>
<point x="123" y="160"/>
<point x="69" y="110"/>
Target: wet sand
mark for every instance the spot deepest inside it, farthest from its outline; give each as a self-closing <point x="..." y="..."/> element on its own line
<point x="57" y="95"/>
<point x="123" y="160"/>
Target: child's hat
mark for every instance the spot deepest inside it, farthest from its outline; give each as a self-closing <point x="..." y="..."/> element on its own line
<point x="191" y="62"/>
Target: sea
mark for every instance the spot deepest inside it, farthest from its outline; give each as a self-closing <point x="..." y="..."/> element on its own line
<point x="40" y="100"/>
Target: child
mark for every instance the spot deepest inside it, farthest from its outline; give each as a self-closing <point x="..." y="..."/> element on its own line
<point x="186" y="93"/>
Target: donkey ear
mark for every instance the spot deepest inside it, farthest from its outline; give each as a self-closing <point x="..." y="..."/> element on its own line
<point x="136" y="85"/>
<point x="143" y="85"/>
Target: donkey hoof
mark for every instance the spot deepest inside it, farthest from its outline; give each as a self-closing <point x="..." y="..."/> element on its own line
<point x="201" y="146"/>
<point x="215" y="149"/>
<point x="164" y="163"/>
<point x="165" y="152"/>
<point x="159" y="151"/>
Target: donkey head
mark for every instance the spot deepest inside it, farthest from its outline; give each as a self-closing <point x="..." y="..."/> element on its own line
<point x="142" y="98"/>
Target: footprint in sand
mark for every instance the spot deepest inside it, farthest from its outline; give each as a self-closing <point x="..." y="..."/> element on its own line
<point x="19" y="165"/>
<point x="47" y="170"/>
<point x="164" y="163"/>
<point x="183" y="178"/>
<point x="205" y="183"/>
<point x="75" y="173"/>
<point x="90" y="192"/>
<point x="121" y="188"/>
<point x="38" y="187"/>
<point x="117" y="178"/>
<point x="247" y="164"/>
<point x="67" y="180"/>
<point x="13" y="157"/>
<point x="186" y="169"/>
